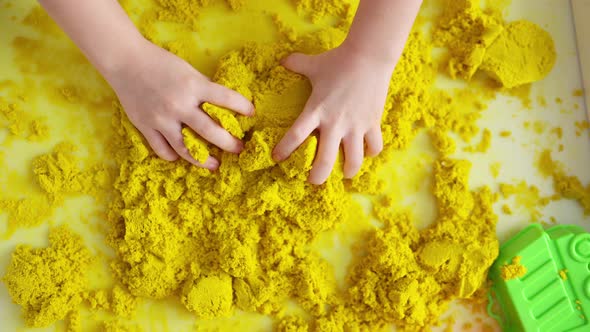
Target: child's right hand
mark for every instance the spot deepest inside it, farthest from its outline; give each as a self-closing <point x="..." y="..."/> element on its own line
<point x="160" y="92"/>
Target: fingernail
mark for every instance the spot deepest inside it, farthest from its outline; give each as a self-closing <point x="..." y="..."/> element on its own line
<point x="239" y="147"/>
<point x="276" y="157"/>
<point x="313" y="181"/>
<point x="212" y="164"/>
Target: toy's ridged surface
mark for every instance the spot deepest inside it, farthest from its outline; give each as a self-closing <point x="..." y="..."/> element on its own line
<point x="554" y="294"/>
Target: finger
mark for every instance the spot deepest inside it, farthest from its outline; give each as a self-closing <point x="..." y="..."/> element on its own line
<point x="221" y="96"/>
<point x="326" y="157"/>
<point x="299" y="63"/>
<point x="374" y="140"/>
<point x="295" y="136"/>
<point x="211" y="164"/>
<point x="176" y="141"/>
<point x="353" y="154"/>
<point x="212" y="132"/>
<point x="160" y="145"/>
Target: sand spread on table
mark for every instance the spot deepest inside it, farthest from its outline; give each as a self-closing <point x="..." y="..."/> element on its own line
<point x="241" y="237"/>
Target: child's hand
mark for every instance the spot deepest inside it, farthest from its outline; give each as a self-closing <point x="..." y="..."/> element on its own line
<point x="160" y="92"/>
<point x="346" y="105"/>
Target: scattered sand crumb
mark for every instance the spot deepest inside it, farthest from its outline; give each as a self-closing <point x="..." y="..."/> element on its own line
<point x="563" y="274"/>
<point x="513" y="270"/>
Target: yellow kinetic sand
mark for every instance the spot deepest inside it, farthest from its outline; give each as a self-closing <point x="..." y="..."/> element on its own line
<point x="253" y="241"/>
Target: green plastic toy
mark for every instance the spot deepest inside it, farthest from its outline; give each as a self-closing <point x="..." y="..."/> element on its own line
<point x="554" y="293"/>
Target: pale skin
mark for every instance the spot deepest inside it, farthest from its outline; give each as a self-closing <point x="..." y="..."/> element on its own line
<point x="161" y="92"/>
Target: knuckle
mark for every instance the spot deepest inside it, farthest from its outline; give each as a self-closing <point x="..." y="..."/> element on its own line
<point x="172" y="106"/>
<point x="321" y="109"/>
<point x="298" y="134"/>
<point x="177" y="142"/>
<point x="356" y="165"/>
<point x="223" y="92"/>
<point x="334" y="120"/>
<point x="186" y="114"/>
<point x="154" y="143"/>
<point x="357" y="133"/>
<point x="324" y="161"/>
<point x="351" y="139"/>
<point x="159" y="121"/>
<point x="191" y="83"/>
<point x="207" y="132"/>
<point x="183" y="151"/>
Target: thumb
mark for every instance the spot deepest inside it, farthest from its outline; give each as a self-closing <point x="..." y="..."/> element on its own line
<point x="299" y="63"/>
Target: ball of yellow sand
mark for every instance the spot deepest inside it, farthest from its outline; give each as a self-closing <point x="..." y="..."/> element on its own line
<point x="523" y="53"/>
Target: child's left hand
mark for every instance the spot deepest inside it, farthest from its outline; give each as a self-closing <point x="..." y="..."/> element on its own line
<point x="346" y="105"/>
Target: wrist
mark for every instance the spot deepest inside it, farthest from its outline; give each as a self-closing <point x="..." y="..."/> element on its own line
<point x="380" y="58"/>
<point x="113" y="59"/>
